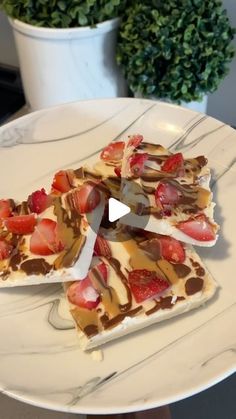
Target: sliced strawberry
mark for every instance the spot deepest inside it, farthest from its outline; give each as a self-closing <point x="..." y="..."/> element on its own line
<point x="166" y="195"/>
<point x="174" y="164"/>
<point x="83" y="294"/>
<point x="199" y="228"/>
<point x="165" y="247"/>
<point x="5" y="208"/>
<point x="171" y="249"/>
<point x="145" y="284"/>
<point x="21" y="224"/>
<point x="86" y="198"/>
<point x="135" y="140"/>
<point x="44" y="240"/>
<point x="117" y="171"/>
<point x="5" y="249"/>
<point x="101" y="247"/>
<point x="102" y="269"/>
<point x="114" y="151"/>
<point x="38" y="201"/>
<point x="62" y="181"/>
<point x="137" y="162"/>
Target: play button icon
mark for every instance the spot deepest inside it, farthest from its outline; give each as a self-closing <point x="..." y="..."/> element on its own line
<point x="116" y="210"/>
<point x="120" y="218"/>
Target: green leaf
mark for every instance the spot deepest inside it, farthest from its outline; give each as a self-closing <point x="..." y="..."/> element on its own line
<point x="63" y="13"/>
<point x="62" y="5"/>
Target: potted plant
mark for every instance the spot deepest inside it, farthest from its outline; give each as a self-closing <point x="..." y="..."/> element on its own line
<point x="175" y="50"/>
<point x="66" y="49"/>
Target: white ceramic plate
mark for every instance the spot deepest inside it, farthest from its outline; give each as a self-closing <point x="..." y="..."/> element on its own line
<point x="40" y="362"/>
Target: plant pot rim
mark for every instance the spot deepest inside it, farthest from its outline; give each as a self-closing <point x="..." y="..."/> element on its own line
<point x="63" y="33"/>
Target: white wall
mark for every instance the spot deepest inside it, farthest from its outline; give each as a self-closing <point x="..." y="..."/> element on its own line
<point x="221" y="104"/>
<point x="8" y="53"/>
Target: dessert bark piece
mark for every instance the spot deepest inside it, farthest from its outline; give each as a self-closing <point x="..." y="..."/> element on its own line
<point x="172" y="192"/>
<point x="110" y="160"/>
<point x="50" y="236"/>
<point x="134" y="283"/>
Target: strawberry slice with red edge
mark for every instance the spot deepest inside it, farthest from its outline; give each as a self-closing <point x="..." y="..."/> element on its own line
<point x="44" y="240"/>
<point x="5" y="208"/>
<point x="38" y="201"/>
<point x="62" y="181"/>
<point x="21" y="224"/>
<point x="198" y="228"/>
<point x="164" y="247"/>
<point x="5" y="250"/>
<point x="86" y="198"/>
<point x="145" y="284"/>
<point x="137" y="163"/>
<point x="102" y="270"/>
<point x="167" y="196"/>
<point x="117" y="171"/>
<point x="171" y="249"/>
<point x="135" y="140"/>
<point x="83" y="293"/>
<point x="101" y="247"/>
<point x="114" y="151"/>
<point x="174" y="164"/>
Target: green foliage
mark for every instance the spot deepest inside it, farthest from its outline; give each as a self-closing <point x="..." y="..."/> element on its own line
<point x="63" y="13"/>
<point x="175" y="49"/>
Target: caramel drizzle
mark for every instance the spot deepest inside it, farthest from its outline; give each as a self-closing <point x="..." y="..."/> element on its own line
<point x="108" y="324"/>
<point x="69" y="231"/>
<point x="91" y="322"/>
<point x="192" y="197"/>
<point x="158" y="153"/>
<point x="116" y="266"/>
<point x="117" y="312"/>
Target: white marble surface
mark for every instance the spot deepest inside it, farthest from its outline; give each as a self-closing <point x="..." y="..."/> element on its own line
<point x="154" y="367"/>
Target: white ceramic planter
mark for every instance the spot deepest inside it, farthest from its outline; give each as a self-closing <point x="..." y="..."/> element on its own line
<point x="197" y="106"/>
<point x="63" y="65"/>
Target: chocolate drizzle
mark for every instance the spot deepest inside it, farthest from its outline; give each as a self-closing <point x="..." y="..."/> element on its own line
<point x="89" y="320"/>
<point x="200" y="271"/>
<point x="164" y="303"/>
<point x="193" y="285"/>
<point x="117" y="267"/>
<point x="91" y="175"/>
<point x="69" y="230"/>
<point x="192" y="197"/>
<point x="70" y="255"/>
<point x="152" y="175"/>
<point x="118" y="319"/>
<point x="91" y="330"/>
<point x="22" y="208"/>
<point x="151" y="148"/>
<point x="79" y="173"/>
<point x="152" y="247"/>
<point x="15" y="260"/>
<point x="181" y="270"/>
<point x="35" y="266"/>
